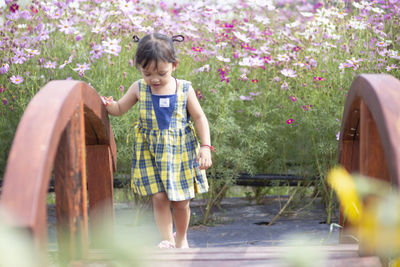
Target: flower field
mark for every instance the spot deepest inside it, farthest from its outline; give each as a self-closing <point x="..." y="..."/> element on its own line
<point x="271" y="76"/>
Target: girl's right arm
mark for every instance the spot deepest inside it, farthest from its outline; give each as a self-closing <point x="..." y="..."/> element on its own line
<point x="117" y="108"/>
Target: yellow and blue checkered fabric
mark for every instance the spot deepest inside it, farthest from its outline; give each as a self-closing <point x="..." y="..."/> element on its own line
<point x="164" y="160"/>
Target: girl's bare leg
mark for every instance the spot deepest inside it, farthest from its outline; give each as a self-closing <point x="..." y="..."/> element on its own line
<point x="181" y="218"/>
<point x="163" y="216"/>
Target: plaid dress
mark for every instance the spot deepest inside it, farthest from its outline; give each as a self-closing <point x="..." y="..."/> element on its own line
<point x="164" y="159"/>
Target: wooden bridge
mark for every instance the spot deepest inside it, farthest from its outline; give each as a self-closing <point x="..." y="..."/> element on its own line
<point x="65" y="133"/>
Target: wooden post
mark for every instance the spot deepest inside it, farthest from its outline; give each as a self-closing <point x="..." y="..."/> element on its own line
<point x="100" y="188"/>
<point x="70" y="189"/>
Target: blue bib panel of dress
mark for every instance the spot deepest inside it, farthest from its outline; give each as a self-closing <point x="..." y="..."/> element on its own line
<point x="164" y="106"/>
<point x="165" y="147"/>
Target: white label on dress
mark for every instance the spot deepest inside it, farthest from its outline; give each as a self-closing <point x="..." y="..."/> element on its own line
<point x="164" y="102"/>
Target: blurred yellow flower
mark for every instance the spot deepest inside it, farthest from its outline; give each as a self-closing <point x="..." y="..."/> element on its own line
<point x="341" y="181"/>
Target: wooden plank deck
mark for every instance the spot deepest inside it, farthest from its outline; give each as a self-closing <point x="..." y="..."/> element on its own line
<point x="336" y="255"/>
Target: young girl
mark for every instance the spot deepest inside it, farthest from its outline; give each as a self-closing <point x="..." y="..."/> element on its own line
<point x="168" y="162"/>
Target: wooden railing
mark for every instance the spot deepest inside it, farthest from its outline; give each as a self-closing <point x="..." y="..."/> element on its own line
<point x="65" y="133"/>
<point x="370" y="131"/>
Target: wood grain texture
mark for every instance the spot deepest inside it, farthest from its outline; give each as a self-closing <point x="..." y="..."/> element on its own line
<point x="369" y="137"/>
<point x="54" y="126"/>
<point x="100" y="188"/>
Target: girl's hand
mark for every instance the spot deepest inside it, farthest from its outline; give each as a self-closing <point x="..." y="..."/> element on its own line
<point x="204" y="158"/>
<point x="107" y="100"/>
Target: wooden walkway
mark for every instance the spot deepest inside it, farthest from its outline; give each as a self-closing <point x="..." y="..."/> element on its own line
<point x="339" y="255"/>
<point x="75" y="144"/>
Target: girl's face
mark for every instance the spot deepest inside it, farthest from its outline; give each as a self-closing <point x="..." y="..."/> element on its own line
<point x="158" y="77"/>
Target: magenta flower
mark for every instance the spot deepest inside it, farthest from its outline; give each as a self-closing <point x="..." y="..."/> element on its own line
<point x="5" y="101"/>
<point x="296" y="48"/>
<point x="197" y="49"/>
<point x="199" y="94"/>
<point x="14" y="8"/>
<point x="289" y="121"/>
<point x="4" y="68"/>
<point x="16" y="79"/>
<point x="293" y="98"/>
<point x="254" y="80"/>
<point x="318" y="79"/>
<point x="2" y="89"/>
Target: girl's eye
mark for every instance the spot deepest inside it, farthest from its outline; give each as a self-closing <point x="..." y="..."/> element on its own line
<point x="162" y="74"/>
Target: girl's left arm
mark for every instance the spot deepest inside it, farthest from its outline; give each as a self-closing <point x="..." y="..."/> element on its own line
<point x="202" y="129"/>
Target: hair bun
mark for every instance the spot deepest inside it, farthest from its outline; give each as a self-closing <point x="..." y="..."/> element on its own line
<point x="136" y="38"/>
<point x="178" y="38"/>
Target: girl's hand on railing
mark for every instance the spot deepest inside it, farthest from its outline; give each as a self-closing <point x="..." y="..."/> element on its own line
<point x="107" y="100"/>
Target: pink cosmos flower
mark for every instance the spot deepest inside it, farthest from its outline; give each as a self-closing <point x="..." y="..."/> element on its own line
<point x="391" y="67"/>
<point x="284" y="85"/>
<point x="66" y="62"/>
<point x="16" y="79"/>
<point x="32" y="52"/>
<point x="111" y="42"/>
<point x="19" y="57"/>
<point x="380" y="44"/>
<point x="197" y="49"/>
<point x="255" y="94"/>
<point x="283" y="58"/>
<point x="50" y="65"/>
<point x="113" y="50"/>
<point x="4" y="68"/>
<point x="246" y="98"/>
<point x="66" y="27"/>
<point x="97" y="53"/>
<point x="82" y="67"/>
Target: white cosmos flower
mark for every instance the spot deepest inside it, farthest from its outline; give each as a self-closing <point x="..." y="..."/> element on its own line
<point x="289" y="73"/>
<point x="223" y="59"/>
<point x="241" y="37"/>
<point x="252" y="62"/>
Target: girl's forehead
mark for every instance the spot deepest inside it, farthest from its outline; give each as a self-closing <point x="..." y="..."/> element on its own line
<point x="157" y="66"/>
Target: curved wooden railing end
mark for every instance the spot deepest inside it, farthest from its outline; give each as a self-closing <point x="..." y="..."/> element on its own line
<point x="64" y="131"/>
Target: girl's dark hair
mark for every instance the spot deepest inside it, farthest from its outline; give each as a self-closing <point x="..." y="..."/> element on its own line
<point x="155" y="47"/>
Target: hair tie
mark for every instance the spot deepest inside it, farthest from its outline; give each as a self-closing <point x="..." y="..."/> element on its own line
<point x="135" y="38"/>
<point x="178" y="38"/>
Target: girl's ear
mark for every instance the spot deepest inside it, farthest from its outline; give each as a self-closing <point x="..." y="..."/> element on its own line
<point x="175" y="65"/>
